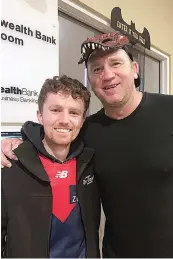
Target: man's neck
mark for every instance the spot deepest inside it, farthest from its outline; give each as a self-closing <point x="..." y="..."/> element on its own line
<point x="125" y="109"/>
<point x="58" y="151"/>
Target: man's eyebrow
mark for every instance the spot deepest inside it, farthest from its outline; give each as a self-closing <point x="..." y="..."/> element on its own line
<point x="61" y="107"/>
<point x="115" y="59"/>
<point x="95" y="62"/>
<point x="55" y="105"/>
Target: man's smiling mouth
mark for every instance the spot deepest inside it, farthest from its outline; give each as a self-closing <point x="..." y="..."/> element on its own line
<point x="110" y="86"/>
<point x="62" y="130"/>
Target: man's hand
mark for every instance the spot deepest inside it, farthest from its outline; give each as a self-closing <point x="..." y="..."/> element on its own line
<point x="7" y="147"/>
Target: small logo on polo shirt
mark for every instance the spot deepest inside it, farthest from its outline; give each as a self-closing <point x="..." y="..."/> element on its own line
<point x="88" y="179"/>
<point x="61" y="174"/>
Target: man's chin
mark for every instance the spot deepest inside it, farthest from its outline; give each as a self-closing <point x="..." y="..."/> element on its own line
<point x="113" y="100"/>
<point x="63" y="143"/>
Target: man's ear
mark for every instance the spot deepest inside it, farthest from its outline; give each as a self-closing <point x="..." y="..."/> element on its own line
<point x="135" y="69"/>
<point x="40" y="117"/>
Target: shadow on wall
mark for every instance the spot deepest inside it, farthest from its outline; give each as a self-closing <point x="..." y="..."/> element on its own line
<point x="39" y="5"/>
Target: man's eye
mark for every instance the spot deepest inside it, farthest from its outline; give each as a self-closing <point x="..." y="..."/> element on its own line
<point x="55" y="110"/>
<point x="116" y="64"/>
<point x="74" y="113"/>
<point x="97" y="70"/>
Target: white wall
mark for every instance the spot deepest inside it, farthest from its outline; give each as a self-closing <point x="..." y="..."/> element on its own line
<point x="27" y="59"/>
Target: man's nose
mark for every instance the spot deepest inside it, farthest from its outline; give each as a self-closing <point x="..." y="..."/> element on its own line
<point x="64" y="118"/>
<point x="108" y="73"/>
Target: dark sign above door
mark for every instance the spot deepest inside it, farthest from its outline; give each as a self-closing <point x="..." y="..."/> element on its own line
<point x="130" y="31"/>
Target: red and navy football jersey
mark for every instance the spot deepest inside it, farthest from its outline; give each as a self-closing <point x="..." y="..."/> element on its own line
<point x="67" y="233"/>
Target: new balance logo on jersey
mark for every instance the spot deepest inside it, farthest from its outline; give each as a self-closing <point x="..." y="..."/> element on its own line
<point x="88" y="179"/>
<point x="61" y="174"/>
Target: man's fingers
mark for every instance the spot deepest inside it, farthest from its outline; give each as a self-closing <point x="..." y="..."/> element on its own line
<point x="4" y="161"/>
<point x="16" y="143"/>
<point x="11" y="155"/>
<point x="7" y="147"/>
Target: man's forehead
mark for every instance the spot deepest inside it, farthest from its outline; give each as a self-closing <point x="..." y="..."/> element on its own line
<point x="99" y="55"/>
